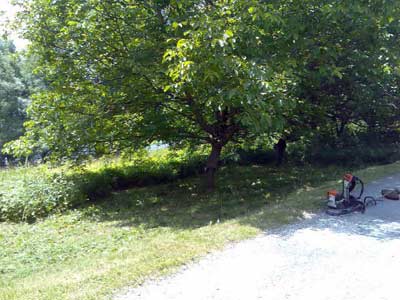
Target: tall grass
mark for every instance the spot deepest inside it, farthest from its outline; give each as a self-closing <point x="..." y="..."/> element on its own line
<point x="29" y="193"/>
<point x="34" y="192"/>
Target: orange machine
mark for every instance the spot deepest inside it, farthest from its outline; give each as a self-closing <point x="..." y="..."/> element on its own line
<point x="346" y="202"/>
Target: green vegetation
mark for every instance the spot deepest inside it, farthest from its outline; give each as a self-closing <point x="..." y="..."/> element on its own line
<point x="31" y="193"/>
<point x="223" y="83"/>
<point x="14" y="91"/>
<point x="122" y="74"/>
<point x="95" y="250"/>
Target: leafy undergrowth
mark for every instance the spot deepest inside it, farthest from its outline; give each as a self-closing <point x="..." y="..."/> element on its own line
<point x="27" y="194"/>
<point x="91" y="252"/>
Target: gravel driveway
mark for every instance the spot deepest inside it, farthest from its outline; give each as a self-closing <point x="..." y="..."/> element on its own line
<point x="349" y="257"/>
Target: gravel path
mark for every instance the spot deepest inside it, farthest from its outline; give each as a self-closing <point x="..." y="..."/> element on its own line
<point x="340" y="258"/>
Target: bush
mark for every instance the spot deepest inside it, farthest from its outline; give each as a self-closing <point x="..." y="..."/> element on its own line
<point x="161" y="167"/>
<point x="356" y="155"/>
<point x="36" y="193"/>
<point x="30" y="193"/>
<point x="256" y="156"/>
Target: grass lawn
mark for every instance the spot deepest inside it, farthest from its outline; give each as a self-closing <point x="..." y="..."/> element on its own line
<point x="92" y="252"/>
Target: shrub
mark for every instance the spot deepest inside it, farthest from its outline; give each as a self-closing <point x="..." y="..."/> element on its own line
<point x="36" y="193"/>
<point x="355" y="155"/>
<point x="247" y="156"/>
<point x="161" y="167"/>
<point x="30" y="193"/>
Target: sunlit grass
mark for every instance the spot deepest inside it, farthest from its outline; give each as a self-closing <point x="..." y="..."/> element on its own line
<point x="92" y="252"/>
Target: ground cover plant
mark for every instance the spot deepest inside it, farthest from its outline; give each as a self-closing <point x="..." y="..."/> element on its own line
<point x="90" y="252"/>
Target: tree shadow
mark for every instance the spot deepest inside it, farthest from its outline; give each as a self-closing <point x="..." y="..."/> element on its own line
<point x="184" y="204"/>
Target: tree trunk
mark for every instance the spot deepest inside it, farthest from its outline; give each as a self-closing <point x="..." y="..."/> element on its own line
<point x="280" y="149"/>
<point x="212" y="165"/>
<point x="340" y="128"/>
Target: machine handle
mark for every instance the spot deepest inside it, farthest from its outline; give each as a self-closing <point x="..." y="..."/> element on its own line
<point x="362" y="187"/>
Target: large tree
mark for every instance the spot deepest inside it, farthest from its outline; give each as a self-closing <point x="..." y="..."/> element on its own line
<point x="126" y="73"/>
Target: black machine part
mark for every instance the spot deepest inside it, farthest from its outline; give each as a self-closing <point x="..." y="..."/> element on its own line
<point x="351" y="203"/>
<point x="353" y="184"/>
<point x="368" y="200"/>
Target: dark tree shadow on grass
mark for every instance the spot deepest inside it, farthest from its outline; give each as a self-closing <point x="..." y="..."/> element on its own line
<point x="241" y="191"/>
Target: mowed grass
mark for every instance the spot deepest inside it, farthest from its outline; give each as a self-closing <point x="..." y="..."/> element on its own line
<point x="94" y="251"/>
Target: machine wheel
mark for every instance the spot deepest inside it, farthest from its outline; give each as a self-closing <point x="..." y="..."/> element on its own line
<point x="369" y="201"/>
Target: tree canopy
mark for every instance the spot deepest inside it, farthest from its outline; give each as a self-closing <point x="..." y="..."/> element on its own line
<point x="126" y="73"/>
<point x="349" y="64"/>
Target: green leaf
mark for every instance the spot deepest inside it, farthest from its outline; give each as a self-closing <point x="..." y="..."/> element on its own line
<point x="252" y="10"/>
<point x="181" y="43"/>
<point x="228" y="33"/>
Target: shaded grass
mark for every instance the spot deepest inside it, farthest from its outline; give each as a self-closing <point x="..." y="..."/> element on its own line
<point x="90" y="252"/>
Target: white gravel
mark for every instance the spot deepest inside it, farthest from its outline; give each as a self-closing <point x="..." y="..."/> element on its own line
<point x="349" y="257"/>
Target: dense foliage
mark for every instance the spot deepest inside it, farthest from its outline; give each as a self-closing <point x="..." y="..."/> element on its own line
<point x="347" y="65"/>
<point x="13" y="94"/>
<point x="122" y="74"/>
<point x="125" y="73"/>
